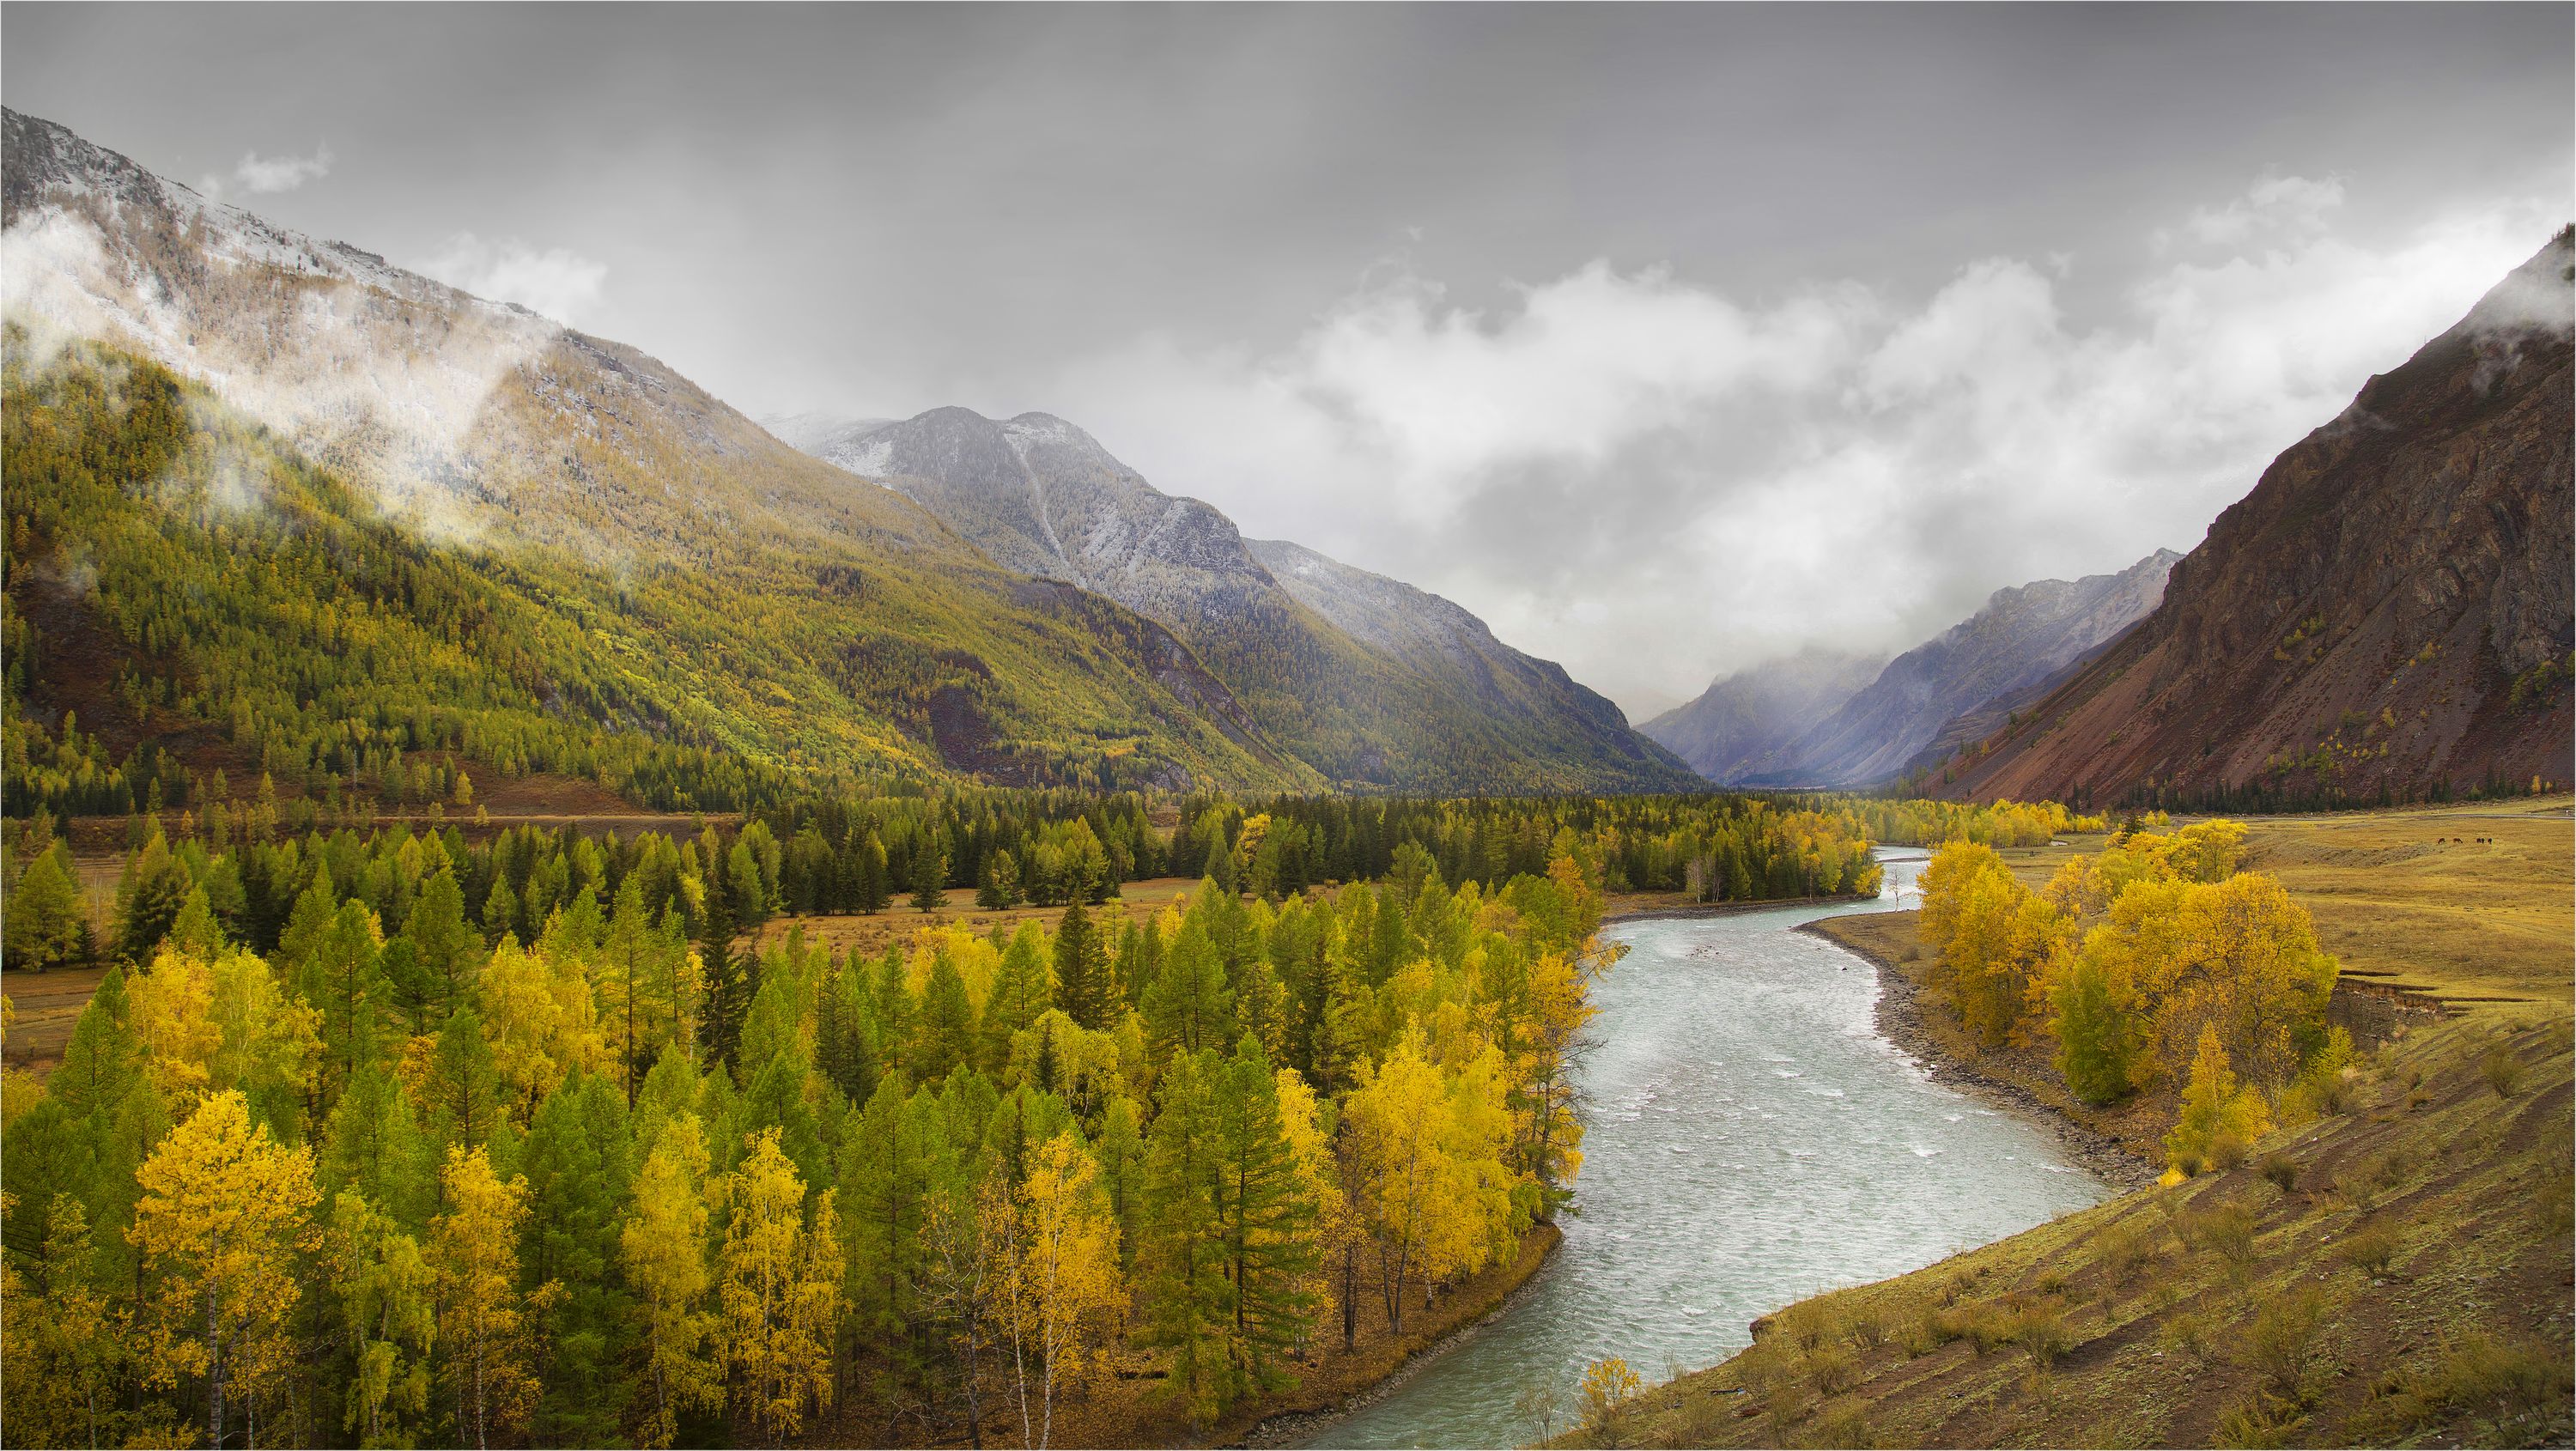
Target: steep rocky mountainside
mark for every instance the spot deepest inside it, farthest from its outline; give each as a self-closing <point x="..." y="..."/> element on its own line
<point x="1744" y="718"/>
<point x="2388" y="611"/>
<point x="742" y="596"/>
<point x="2022" y="636"/>
<point x="1363" y="678"/>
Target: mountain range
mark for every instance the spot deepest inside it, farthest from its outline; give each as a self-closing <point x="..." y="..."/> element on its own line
<point x="1018" y="608"/>
<point x="2387" y="613"/>
<point x="1844" y="721"/>
<point x="1348" y="671"/>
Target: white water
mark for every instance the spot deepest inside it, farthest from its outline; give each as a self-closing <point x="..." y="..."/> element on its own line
<point x="1750" y="1139"/>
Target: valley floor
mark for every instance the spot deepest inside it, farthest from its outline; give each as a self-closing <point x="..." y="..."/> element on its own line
<point x="2398" y="1273"/>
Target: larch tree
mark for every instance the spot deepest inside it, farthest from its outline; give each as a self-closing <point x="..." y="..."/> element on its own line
<point x="1067" y="1293"/>
<point x="780" y="1289"/>
<point x="62" y="1364"/>
<point x="389" y="1313"/>
<point x="662" y="1247"/>
<point x="487" y="1326"/>
<point x="1405" y="1182"/>
<point x="224" y="1213"/>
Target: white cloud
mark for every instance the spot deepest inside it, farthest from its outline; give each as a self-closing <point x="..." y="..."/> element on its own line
<point x="1651" y="481"/>
<point x="2293" y="207"/>
<point x="555" y="282"/>
<point x="265" y="175"/>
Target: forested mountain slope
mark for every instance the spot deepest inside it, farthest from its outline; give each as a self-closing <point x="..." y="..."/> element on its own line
<point x="1743" y="718"/>
<point x="681" y="577"/>
<point x="2022" y="636"/>
<point x="2387" y="612"/>
<point x="698" y="585"/>
<point x="1365" y="679"/>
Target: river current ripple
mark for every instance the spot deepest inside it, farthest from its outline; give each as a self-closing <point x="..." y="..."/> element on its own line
<point x="1750" y="1139"/>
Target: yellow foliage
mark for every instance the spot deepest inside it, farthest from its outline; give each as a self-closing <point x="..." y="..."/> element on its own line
<point x="170" y="1009"/>
<point x="1064" y="1299"/>
<point x="781" y="1288"/>
<point x="663" y="1246"/>
<point x="224" y="1211"/>
<point x="487" y="1327"/>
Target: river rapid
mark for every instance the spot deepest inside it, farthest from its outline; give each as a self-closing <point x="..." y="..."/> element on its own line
<point x="1749" y="1140"/>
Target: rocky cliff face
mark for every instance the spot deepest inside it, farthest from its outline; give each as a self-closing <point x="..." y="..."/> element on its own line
<point x="1745" y="718"/>
<point x="2389" y="609"/>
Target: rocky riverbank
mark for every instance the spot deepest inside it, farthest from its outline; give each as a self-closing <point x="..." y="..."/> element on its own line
<point x="1905" y="1018"/>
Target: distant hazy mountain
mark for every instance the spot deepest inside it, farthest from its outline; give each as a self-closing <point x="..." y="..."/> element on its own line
<point x="1741" y="719"/>
<point x="2023" y="636"/>
<point x="2388" y="610"/>
<point x="1361" y="677"/>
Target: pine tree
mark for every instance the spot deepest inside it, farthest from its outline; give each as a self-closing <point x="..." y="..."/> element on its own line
<point x="1182" y="1261"/>
<point x="929" y="876"/>
<point x="43" y="926"/>
<point x="947" y="1035"/>
<point x="876" y="889"/>
<point x="448" y="950"/>
<point x="577" y="1163"/>
<point x="1267" y="1218"/>
<point x="1020" y="996"/>
<point x="149" y="898"/>
<point x="1121" y="1151"/>
<point x="728" y="991"/>
<point x="464" y="1094"/>
<point x="1083" y="988"/>
<point x="1189" y="1007"/>
<point x="373" y="1144"/>
<point x="340" y="977"/>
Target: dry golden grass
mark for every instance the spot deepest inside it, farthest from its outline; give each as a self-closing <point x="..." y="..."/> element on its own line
<point x="2464" y="902"/>
<point x="899" y="923"/>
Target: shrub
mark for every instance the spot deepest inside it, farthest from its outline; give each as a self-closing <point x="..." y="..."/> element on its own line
<point x="2189" y="1335"/>
<point x="1608" y="1386"/>
<point x="1842" y="1424"/>
<point x="1807" y="1326"/>
<point x="2257" y="1420"/>
<point x="2283" y="1340"/>
<point x="2371" y="1248"/>
<point x="2041" y="1330"/>
<point x="2226" y="1231"/>
<point x="2553" y="1200"/>
<point x="2503" y="1070"/>
<point x="2282" y="1170"/>
<point x="2127" y="1249"/>
<point x="2485" y="1373"/>
<point x="1831" y="1369"/>
<point x="1920" y="1337"/>
<point x="1867" y="1329"/>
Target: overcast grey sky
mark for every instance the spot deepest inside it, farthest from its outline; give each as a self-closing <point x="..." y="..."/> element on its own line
<point x="1667" y="338"/>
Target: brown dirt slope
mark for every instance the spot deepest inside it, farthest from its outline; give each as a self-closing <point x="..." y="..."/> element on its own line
<point x="2363" y="618"/>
